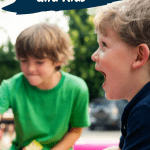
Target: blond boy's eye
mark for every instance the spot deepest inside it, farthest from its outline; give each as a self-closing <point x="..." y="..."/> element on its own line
<point x="104" y="44"/>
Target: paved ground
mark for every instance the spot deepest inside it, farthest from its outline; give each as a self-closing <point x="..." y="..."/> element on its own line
<point x="97" y="134"/>
<point x="100" y="136"/>
<point x="87" y="136"/>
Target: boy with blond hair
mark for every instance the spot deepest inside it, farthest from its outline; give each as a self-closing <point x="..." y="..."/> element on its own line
<point x="123" y="32"/>
<point x="50" y="106"/>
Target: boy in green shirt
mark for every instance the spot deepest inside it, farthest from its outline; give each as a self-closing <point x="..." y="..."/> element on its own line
<point x="49" y="105"/>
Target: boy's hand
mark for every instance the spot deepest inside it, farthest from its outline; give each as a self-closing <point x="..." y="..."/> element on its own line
<point x="113" y="148"/>
<point x="33" y="145"/>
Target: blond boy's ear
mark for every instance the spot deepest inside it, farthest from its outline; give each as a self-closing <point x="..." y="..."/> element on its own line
<point x="142" y="56"/>
<point x="57" y="64"/>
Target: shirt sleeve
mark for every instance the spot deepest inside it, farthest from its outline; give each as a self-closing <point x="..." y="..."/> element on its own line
<point x="138" y="130"/>
<point x="80" y="112"/>
<point x="4" y="97"/>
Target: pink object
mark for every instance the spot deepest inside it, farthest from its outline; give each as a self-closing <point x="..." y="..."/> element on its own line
<point x="92" y="145"/>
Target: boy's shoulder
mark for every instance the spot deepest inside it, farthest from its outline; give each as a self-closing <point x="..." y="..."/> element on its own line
<point x="143" y="104"/>
<point x="71" y="77"/>
<point x="13" y="79"/>
<point x="135" y="124"/>
<point x="145" y="101"/>
<point x="74" y="80"/>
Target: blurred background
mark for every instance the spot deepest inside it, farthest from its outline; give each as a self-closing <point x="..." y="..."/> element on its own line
<point x="104" y="115"/>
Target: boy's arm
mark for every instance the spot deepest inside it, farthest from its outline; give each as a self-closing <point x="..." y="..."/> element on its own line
<point x="0" y="117"/>
<point x="1" y="129"/>
<point x="69" y="139"/>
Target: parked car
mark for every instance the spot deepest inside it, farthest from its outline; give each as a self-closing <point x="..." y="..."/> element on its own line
<point x="106" y="113"/>
<point x="8" y="117"/>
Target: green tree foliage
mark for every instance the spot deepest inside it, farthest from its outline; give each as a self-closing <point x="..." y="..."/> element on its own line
<point x="8" y="65"/>
<point x="85" y="43"/>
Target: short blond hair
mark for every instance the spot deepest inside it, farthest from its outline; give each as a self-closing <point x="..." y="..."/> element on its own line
<point x="130" y="19"/>
<point x="44" y="41"/>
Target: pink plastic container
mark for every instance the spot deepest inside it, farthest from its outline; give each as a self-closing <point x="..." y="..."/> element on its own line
<point x="94" y="145"/>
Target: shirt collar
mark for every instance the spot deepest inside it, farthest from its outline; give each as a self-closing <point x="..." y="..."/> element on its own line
<point x="138" y="97"/>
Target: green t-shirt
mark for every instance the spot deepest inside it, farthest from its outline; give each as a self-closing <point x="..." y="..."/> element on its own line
<point x="45" y="115"/>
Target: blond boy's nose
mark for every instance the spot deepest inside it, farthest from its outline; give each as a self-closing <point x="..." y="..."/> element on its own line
<point x="94" y="57"/>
